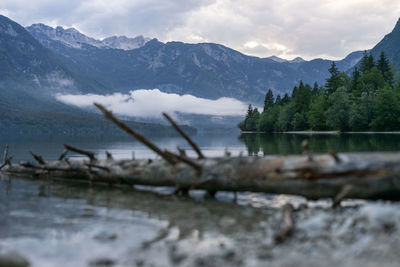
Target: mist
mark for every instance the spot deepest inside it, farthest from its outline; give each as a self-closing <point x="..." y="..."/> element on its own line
<point x="151" y="103"/>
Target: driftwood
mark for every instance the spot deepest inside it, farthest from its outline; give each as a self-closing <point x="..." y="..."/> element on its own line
<point x="331" y="175"/>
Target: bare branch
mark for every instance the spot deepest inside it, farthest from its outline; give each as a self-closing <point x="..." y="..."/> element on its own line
<point x="62" y="156"/>
<point x="139" y="137"/>
<point x="5" y="153"/>
<point x="184" y="135"/>
<point x="342" y="195"/>
<point x="38" y="158"/>
<point x="80" y="151"/>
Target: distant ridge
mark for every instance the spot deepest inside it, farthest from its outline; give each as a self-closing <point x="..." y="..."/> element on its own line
<point x="73" y="38"/>
<point x="204" y="70"/>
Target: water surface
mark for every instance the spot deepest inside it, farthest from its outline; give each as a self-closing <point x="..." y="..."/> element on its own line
<point x="67" y="224"/>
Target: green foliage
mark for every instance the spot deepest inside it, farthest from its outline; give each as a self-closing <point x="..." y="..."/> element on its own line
<point x="316" y="115"/>
<point x="367" y="62"/>
<point x="268" y="120"/>
<point x="387" y="107"/>
<point x="251" y="121"/>
<point x="362" y="112"/>
<point x="278" y="100"/>
<point x="269" y="100"/>
<point x="337" y="115"/>
<point x="299" y="121"/>
<point x="371" y="81"/>
<point x="366" y="101"/>
<point x="302" y="98"/>
<point x="385" y="69"/>
<point x="285" y="117"/>
<point x="337" y="79"/>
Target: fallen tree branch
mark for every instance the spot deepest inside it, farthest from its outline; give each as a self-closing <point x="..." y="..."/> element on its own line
<point x="81" y="151"/>
<point x="126" y="128"/>
<point x="370" y="175"/>
<point x="38" y="158"/>
<point x="184" y="135"/>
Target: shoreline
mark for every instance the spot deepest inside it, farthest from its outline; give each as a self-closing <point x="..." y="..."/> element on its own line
<point x="320" y="132"/>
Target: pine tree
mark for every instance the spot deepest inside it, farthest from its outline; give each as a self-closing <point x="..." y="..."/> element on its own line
<point x="333" y="82"/>
<point x="367" y="62"/>
<point x="285" y="100"/>
<point x="278" y="100"/>
<point x="268" y="101"/>
<point x="355" y="83"/>
<point x="315" y="90"/>
<point x="384" y="68"/>
<point x="294" y="92"/>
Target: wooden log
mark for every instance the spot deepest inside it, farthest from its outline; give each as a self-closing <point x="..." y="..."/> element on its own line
<point x="370" y="175"/>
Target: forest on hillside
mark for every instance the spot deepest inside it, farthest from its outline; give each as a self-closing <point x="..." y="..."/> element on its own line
<point x="367" y="100"/>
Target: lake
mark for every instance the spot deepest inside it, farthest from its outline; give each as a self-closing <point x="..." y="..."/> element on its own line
<point x="70" y="224"/>
<point x="213" y="145"/>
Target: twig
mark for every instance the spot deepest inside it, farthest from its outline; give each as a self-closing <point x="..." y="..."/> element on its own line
<point x="334" y="155"/>
<point x="81" y="151"/>
<point x="341" y="195"/>
<point x="139" y="137"/>
<point x="62" y="156"/>
<point x="287" y="224"/>
<point x="38" y="158"/>
<point x="6" y="162"/>
<point x="182" y="152"/>
<point x="5" y="153"/>
<point x="109" y="155"/>
<point x="184" y="135"/>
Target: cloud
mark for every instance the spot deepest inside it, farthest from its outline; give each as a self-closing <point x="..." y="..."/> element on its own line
<point x="287" y="28"/>
<point x="151" y="103"/>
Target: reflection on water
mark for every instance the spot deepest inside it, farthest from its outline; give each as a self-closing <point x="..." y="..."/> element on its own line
<point x="212" y="145"/>
<point x="270" y="144"/>
<point x="121" y="147"/>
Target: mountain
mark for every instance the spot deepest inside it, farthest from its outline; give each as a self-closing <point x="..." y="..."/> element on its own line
<point x="205" y="70"/>
<point x="30" y="76"/>
<point x="73" y="38"/>
<point x="390" y="44"/>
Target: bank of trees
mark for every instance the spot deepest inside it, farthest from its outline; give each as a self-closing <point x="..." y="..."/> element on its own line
<point x="367" y="100"/>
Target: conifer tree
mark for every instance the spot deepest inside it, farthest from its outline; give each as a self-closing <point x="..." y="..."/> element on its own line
<point x="315" y="90"/>
<point x="355" y="82"/>
<point x="384" y="68"/>
<point x="285" y="100"/>
<point x="367" y="62"/>
<point x="278" y="100"/>
<point x="333" y="82"/>
<point x="268" y="101"/>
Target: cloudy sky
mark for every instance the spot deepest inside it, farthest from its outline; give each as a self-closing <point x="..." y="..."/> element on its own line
<point x="286" y="28"/>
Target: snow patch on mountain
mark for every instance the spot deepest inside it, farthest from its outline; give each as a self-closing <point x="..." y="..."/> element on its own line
<point x="73" y="38"/>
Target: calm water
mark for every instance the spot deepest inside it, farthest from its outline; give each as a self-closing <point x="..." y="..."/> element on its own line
<point x="55" y="224"/>
<point x="212" y="145"/>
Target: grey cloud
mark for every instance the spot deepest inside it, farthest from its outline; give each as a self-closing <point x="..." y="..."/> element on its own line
<point x="309" y="28"/>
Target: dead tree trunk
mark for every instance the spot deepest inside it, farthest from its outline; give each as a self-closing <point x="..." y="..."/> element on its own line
<point x="365" y="176"/>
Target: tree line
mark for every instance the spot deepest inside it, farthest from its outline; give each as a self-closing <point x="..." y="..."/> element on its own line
<point x="367" y="100"/>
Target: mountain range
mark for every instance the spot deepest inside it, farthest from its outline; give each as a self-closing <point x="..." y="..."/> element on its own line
<point x="39" y="61"/>
<point x="204" y="70"/>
